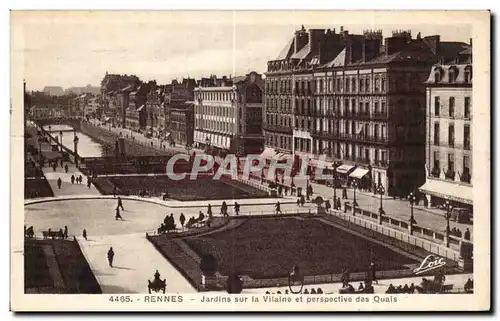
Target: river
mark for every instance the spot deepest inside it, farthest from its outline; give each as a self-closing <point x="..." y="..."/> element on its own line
<point x="86" y="146"/>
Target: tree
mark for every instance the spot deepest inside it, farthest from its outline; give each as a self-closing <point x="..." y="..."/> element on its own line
<point x="208" y="265"/>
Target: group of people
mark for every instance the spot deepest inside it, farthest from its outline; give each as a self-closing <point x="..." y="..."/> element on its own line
<point x="458" y="233"/>
<point x="78" y="179"/>
<point x="401" y="289"/>
<point x="306" y="291"/>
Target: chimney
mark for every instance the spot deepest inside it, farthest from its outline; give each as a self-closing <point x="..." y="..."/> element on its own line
<point x="470" y="42"/>
<point x="341" y="29"/>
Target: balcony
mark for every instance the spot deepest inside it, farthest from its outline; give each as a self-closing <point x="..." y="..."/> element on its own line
<point x="465" y="177"/>
<point x="449" y="174"/>
<point x="363" y="160"/>
<point x="435" y="172"/>
<point x="381" y="163"/>
<point x="279" y="129"/>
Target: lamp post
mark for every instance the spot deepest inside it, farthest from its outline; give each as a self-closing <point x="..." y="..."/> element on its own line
<point x="412" y="219"/>
<point x="381" y="191"/>
<point x="75" y="144"/>
<point x="61" y="141"/>
<point x="354" y="185"/>
<point x="448" y="216"/>
<point x="207" y="143"/>
<point x="40" y="140"/>
<point x="295" y="281"/>
<point x="335" y="187"/>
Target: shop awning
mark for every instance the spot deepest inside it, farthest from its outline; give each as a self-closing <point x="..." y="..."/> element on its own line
<point x="268" y="153"/>
<point x="140" y="108"/>
<point x="446" y="190"/>
<point x="344" y="169"/>
<point x="358" y="173"/>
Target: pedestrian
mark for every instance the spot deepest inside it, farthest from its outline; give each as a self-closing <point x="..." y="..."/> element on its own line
<point x="72" y="179"/>
<point x="236" y="208"/>
<point x="65" y="232"/>
<point x="59" y="182"/>
<point x="209" y="211"/>
<point x="467" y="234"/>
<point x="66" y="168"/>
<point x="286" y="190"/>
<point x="62" y="162"/>
<point x="344" y="193"/>
<point x="54" y="166"/>
<point x="111" y="255"/>
<point x="182" y="219"/>
<point x="302" y="200"/>
<point x="88" y="182"/>
<point x="80" y="178"/>
<point x="84" y="234"/>
<point x="114" y="190"/>
<point x="118" y="216"/>
<point x="278" y="208"/>
<point x="120" y="203"/>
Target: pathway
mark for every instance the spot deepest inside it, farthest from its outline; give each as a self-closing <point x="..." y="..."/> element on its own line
<point x="66" y="187"/>
<point x="135" y="262"/>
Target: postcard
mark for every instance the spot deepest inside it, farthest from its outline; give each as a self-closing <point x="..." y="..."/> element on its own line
<point x="250" y="161"/>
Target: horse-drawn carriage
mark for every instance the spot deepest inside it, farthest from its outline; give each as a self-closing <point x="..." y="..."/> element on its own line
<point x="158" y="284"/>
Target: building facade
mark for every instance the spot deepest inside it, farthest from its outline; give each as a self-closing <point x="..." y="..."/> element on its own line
<point x="364" y="109"/>
<point x="182" y="124"/>
<point x="449" y="132"/>
<point x="228" y="114"/>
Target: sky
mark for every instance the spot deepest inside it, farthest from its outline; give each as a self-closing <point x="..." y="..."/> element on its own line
<point x="75" y="49"/>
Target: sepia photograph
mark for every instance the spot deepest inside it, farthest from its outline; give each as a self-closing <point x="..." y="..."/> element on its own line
<point x="250" y="160"/>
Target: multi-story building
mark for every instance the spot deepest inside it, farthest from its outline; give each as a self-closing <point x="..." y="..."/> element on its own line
<point x="364" y="108"/>
<point x="182" y="123"/>
<point x="92" y="105"/>
<point x="228" y="114"/>
<point x="155" y="109"/>
<point x="449" y="131"/>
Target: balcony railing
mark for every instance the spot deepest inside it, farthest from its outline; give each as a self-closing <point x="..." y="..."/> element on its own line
<point x="280" y="129"/>
<point x="363" y="160"/>
<point x="381" y="163"/>
<point x="450" y="174"/>
<point x="435" y="172"/>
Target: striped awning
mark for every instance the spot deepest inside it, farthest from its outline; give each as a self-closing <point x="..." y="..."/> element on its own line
<point x="448" y="190"/>
<point x="344" y="169"/>
<point x="358" y="173"/>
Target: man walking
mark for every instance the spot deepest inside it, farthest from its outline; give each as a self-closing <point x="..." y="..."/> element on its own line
<point x="59" y="183"/>
<point x="111" y="255"/>
<point x="72" y="179"/>
<point x="278" y="208"/>
<point x="236" y="208"/>
<point x="118" y="216"/>
<point x="66" y="168"/>
<point x="120" y="203"/>
<point x="65" y="232"/>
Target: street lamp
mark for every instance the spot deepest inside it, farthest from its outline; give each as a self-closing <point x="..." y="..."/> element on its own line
<point x="295" y="280"/>
<point x="412" y="219"/>
<point x="381" y="191"/>
<point x="61" y="135"/>
<point x="355" y="185"/>
<point x="335" y="187"/>
<point x="448" y="216"/>
<point x="207" y="143"/>
<point x="75" y="143"/>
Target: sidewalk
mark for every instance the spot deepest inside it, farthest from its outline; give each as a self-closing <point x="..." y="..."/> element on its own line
<point x="135" y="262"/>
<point x="66" y="187"/>
<point x="458" y="281"/>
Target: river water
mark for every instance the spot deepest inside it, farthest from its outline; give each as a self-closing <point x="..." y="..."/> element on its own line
<point x="86" y="146"/>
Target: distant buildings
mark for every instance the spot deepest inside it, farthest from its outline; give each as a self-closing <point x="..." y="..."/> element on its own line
<point x="53" y="90"/>
<point x="449" y="132"/>
<point x="228" y="114"/>
<point x="358" y="99"/>
<point x="83" y="90"/>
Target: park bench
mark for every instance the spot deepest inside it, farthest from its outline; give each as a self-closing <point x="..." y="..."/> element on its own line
<point x="52" y="234"/>
<point x="446" y="288"/>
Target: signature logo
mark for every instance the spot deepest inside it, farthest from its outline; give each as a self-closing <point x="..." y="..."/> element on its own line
<point x="430" y="263"/>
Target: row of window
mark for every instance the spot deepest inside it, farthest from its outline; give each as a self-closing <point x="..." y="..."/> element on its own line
<point x="320" y="104"/>
<point x="438" y="106"/>
<point x="451" y="135"/>
<point x="214" y="125"/>
<point x="327" y="85"/>
<point x="215" y="95"/>
<point x="224" y="111"/>
<point x="451" y="170"/>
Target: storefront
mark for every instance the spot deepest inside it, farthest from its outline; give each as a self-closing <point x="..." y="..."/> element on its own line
<point x="343" y="172"/>
<point x="437" y="192"/>
<point x="360" y="175"/>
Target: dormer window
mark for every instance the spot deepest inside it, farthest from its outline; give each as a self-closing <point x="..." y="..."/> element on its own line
<point x="437" y="74"/>
<point x="452" y="74"/>
<point x="468" y="75"/>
